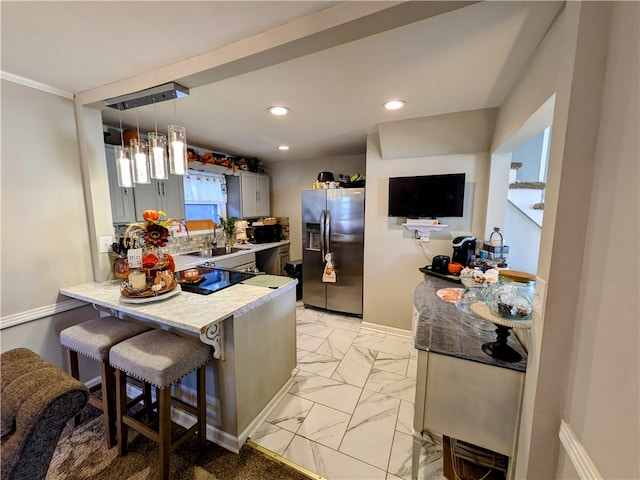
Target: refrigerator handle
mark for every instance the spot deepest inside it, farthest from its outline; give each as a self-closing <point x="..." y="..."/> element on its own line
<point x="322" y="233"/>
<point x="327" y="231"/>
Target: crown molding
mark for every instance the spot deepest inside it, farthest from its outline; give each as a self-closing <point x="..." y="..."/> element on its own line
<point x="27" y="82"/>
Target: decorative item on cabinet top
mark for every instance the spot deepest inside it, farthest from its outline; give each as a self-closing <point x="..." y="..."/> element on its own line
<point x="235" y="164"/>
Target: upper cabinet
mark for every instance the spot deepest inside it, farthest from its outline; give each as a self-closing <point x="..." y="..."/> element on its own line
<point x="248" y="195"/>
<point x="165" y="195"/>
<point x="128" y="204"/>
<point x="122" y="199"/>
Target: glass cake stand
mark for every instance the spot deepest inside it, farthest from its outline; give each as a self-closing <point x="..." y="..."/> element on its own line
<point x="499" y="349"/>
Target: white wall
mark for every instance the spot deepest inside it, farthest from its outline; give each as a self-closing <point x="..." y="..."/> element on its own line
<point x="288" y="179"/>
<point x="581" y="229"/>
<point x="523" y="239"/>
<point x="392" y="256"/>
<point x="45" y="241"/>
<point x="603" y="400"/>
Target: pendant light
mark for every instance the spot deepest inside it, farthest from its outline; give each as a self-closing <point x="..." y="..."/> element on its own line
<point x="151" y="162"/>
<point x="157" y="151"/>
<point x="140" y="158"/>
<point x="124" y="166"/>
<point x="177" y="147"/>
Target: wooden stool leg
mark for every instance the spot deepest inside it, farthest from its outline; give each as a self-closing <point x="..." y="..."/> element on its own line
<point x="164" y="431"/>
<point x="109" y="402"/>
<point x="72" y="360"/>
<point x="121" y="410"/>
<point x="202" y="407"/>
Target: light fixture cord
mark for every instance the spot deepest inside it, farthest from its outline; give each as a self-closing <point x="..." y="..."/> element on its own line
<point x="137" y="126"/>
<point x="121" y="132"/>
<point x="175" y="112"/>
<point x="155" y="118"/>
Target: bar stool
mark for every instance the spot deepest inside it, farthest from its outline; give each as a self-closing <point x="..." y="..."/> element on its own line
<point x="160" y="358"/>
<point x="94" y="339"/>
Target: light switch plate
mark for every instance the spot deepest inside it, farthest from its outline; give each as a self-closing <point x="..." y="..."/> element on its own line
<point x="539" y="296"/>
<point x="105" y="244"/>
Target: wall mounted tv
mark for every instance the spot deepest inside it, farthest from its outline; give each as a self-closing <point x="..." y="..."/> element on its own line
<point x="427" y="196"/>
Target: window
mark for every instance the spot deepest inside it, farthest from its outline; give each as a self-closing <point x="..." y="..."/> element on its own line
<point x="205" y="196"/>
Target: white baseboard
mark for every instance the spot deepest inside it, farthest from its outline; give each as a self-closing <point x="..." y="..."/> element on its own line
<point x="385" y="329"/>
<point x="266" y="411"/>
<point x="217" y="436"/>
<point x="577" y="454"/>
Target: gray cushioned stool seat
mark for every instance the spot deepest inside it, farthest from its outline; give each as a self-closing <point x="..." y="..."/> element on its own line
<point x="94" y="338"/>
<point x="159" y="357"/>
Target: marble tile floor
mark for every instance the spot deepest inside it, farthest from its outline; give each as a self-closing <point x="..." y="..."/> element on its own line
<point x="349" y="413"/>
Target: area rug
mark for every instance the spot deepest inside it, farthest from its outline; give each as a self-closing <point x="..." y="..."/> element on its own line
<point x="82" y="454"/>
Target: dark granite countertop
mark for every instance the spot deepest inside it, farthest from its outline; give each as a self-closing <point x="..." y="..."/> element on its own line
<point x="443" y="328"/>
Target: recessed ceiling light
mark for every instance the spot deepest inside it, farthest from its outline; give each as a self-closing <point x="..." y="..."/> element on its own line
<point x="394" y="104"/>
<point x="278" y="110"/>
<point x="283" y="147"/>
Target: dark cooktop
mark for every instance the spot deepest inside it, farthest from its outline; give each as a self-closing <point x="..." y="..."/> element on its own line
<point x="212" y="279"/>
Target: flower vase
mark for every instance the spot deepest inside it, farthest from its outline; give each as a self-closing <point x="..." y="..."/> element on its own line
<point x="229" y="240"/>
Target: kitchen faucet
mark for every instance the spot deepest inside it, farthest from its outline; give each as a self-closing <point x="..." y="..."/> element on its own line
<point x="214" y="241"/>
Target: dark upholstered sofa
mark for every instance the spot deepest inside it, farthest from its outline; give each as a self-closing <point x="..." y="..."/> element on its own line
<point x="37" y="399"/>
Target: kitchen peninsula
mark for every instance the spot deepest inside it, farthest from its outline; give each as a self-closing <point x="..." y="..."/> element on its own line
<point x="251" y="326"/>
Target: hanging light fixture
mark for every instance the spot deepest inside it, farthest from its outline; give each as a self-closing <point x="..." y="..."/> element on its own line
<point x="177" y="147"/>
<point x="157" y="151"/>
<point x="177" y="137"/>
<point x="124" y="166"/>
<point x="140" y="158"/>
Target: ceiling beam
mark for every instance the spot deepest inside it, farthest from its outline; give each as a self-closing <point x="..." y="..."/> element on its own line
<point x="333" y="26"/>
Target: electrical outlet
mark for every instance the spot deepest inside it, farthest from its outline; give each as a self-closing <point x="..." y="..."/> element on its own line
<point x="105" y="244"/>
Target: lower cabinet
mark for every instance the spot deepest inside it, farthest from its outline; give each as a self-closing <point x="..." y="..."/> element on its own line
<point x="470" y="401"/>
<point x="245" y="261"/>
<point x="273" y="260"/>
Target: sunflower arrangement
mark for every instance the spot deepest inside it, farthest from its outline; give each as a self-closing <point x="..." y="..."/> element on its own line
<point x="154" y="231"/>
<point x="156" y="274"/>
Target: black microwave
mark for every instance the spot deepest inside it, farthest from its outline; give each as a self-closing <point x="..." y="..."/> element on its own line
<point x="267" y="233"/>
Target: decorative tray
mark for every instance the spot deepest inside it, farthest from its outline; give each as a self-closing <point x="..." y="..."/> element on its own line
<point x="451" y="278"/>
<point x="482" y="310"/>
<point x="147" y="292"/>
<point x="163" y="296"/>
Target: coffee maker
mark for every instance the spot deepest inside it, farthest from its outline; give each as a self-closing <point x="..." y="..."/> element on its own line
<point x="463" y="249"/>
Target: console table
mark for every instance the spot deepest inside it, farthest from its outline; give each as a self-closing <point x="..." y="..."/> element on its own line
<point x="462" y="392"/>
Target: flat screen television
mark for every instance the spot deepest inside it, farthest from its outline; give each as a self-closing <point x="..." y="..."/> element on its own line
<point x="427" y="196"/>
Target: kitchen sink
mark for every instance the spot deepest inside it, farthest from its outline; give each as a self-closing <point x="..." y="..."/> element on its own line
<point x="216" y="252"/>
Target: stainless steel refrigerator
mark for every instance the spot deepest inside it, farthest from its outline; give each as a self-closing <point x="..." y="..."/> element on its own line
<point x="333" y="222"/>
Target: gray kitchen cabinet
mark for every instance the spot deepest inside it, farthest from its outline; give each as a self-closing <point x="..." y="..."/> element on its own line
<point x="248" y="195"/>
<point x="166" y="195"/>
<point x="122" y="199"/>
<point x="246" y="261"/>
<point x="273" y="260"/>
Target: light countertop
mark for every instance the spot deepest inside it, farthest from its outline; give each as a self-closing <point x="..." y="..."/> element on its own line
<point x="187" y="311"/>
<point x="185" y="260"/>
